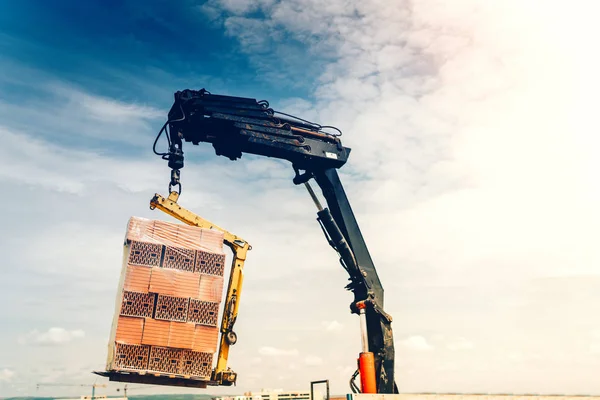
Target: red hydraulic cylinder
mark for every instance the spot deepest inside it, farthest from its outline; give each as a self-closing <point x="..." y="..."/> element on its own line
<point x="366" y="367"/>
<point x="366" y="360"/>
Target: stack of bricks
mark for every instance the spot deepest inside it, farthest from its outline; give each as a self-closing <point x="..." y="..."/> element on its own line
<point x="169" y="297"/>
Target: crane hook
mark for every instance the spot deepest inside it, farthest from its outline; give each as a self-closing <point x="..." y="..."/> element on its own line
<point x="175" y="181"/>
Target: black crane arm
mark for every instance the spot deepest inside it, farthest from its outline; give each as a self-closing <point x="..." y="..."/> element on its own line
<point x="237" y="125"/>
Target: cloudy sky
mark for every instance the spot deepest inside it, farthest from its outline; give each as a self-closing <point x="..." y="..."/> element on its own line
<point x="473" y="174"/>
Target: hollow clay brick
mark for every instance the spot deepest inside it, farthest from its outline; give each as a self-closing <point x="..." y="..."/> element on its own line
<point x="144" y="253"/>
<point x="210" y="263"/>
<point x="196" y="364"/>
<point x="179" y="258"/>
<point x="135" y="304"/>
<point x="131" y="356"/>
<point x="203" y="312"/>
<point x="171" y="308"/>
<point x="164" y="359"/>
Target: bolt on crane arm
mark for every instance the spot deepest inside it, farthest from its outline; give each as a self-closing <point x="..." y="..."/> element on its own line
<point x="237" y="125"/>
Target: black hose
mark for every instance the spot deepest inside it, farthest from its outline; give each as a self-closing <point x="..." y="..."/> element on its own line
<point x="353" y="386"/>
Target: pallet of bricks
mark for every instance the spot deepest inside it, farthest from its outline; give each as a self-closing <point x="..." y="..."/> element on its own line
<point x="171" y="287"/>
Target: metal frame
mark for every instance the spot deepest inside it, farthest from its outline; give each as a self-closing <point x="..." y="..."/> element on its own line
<point x="313" y="383"/>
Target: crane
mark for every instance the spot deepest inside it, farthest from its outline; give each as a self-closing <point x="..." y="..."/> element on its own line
<point x="94" y="386"/>
<point x="238" y="125"/>
<point x="126" y="388"/>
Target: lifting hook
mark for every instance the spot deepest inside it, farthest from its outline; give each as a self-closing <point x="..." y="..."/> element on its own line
<point x="175" y="180"/>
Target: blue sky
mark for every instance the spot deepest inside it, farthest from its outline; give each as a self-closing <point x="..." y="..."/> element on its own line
<point x="95" y="42"/>
<point x="472" y="175"/>
<point x="137" y="52"/>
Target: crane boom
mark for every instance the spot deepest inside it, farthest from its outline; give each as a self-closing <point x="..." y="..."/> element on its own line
<point x="237" y="125"/>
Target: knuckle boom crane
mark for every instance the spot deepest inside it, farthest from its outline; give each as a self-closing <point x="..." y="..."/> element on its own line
<point x="237" y="125"/>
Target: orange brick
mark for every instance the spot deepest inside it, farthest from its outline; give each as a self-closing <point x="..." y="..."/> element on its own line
<point x="203" y="312"/>
<point x="174" y="234"/>
<point x="210" y="263"/>
<point x="138" y="228"/>
<point x="163" y="281"/>
<point x="205" y="339"/>
<point x="164" y="359"/>
<point x="177" y="234"/>
<point x="187" y="284"/>
<point x="145" y="253"/>
<point x="156" y="332"/>
<point x="137" y="279"/>
<point x="211" y="288"/>
<point x="129" y="330"/>
<point x="131" y="356"/>
<point x="181" y="335"/>
<point x="212" y="240"/>
<point x="172" y="308"/>
<point x="135" y="304"/>
<point x="179" y="258"/>
<point x="196" y="364"/>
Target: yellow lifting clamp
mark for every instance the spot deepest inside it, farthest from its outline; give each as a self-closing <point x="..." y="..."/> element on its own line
<point x="221" y="375"/>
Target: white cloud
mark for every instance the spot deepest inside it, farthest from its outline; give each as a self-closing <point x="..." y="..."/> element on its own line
<point x="333" y="326"/>
<point x="52" y="337"/>
<point x="65" y="169"/>
<point x="6" y="375"/>
<point x="68" y="114"/>
<point x="240" y="6"/>
<point x="472" y="128"/>
<point x="416" y="342"/>
<point x="103" y="108"/>
<point x="113" y="110"/>
<point x="275" y="352"/>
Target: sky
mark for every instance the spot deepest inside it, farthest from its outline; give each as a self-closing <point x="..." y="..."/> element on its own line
<point x="473" y="175"/>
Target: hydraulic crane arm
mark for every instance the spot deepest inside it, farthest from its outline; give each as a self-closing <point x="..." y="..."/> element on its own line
<point x="339" y="221"/>
<point x="236" y="125"/>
